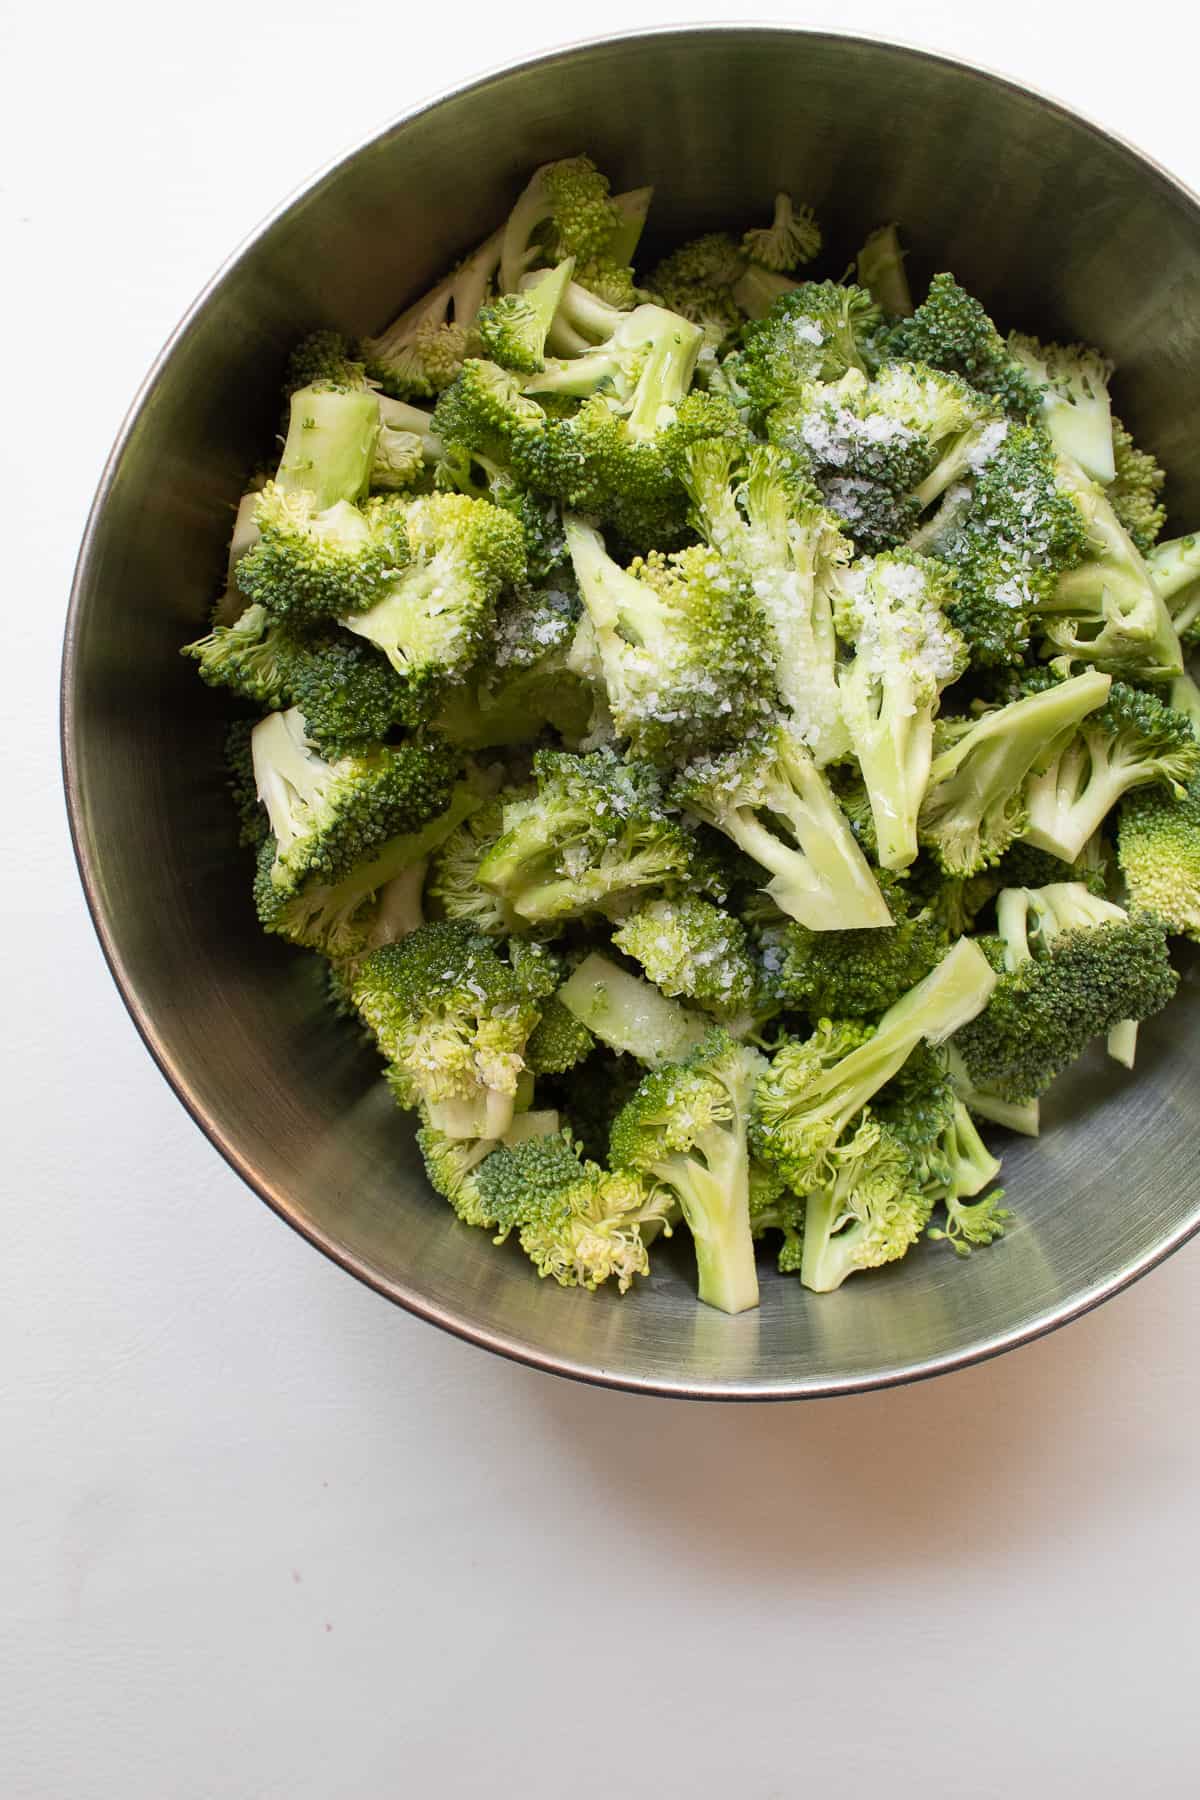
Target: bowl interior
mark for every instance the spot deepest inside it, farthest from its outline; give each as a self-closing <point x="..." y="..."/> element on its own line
<point x="1054" y="224"/>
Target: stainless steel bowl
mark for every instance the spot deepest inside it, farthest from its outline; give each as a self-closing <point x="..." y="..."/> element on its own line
<point x="1054" y="223"/>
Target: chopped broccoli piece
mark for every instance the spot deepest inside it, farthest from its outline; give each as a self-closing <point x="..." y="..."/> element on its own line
<point x="422" y="350"/>
<point x="773" y="801"/>
<point x="1158" y="850"/>
<point x="452" y="1021"/>
<point x="628" y="1014"/>
<point x="692" y="950"/>
<point x="815" y="333"/>
<point x="1075" y="966"/>
<point x="1174" y="569"/>
<point x="575" y="1221"/>
<point x="866" y="1210"/>
<point x="594" y="833"/>
<point x="950" y="330"/>
<point x="681" y="646"/>
<point x="255" y="657"/>
<point x="513" y="329"/>
<point x="757" y="510"/>
<point x="453" y="887"/>
<point x="558" y="1042"/>
<point x="686" y="1128"/>
<point x="879" y="267"/>
<point x="1129" y="742"/>
<point x="1072" y="384"/>
<point x="1135" y="494"/>
<point x="815" y="1086"/>
<point x="891" y="609"/>
<point x="858" y="974"/>
<point x="566" y="210"/>
<point x="1023" y="1116"/>
<point x="974" y="804"/>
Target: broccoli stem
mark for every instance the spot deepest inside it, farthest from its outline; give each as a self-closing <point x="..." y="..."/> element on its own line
<point x="1121" y="1043"/>
<point x="632" y="208"/>
<point x="1023" y="1116"/>
<point x="629" y="1014"/>
<point x="330" y="444"/>
<point x="1174" y="564"/>
<point x="972" y="1164"/>
<point x="881" y="271"/>
<point x="715" y="1197"/>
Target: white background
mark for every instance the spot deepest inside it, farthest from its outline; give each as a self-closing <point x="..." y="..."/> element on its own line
<point x="262" y="1535"/>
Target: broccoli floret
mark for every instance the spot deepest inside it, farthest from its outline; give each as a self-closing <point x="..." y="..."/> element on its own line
<point x="451" y="1164"/>
<point x="406" y="442"/>
<point x="697" y="282"/>
<point x="513" y="329"/>
<point x="1135" y="494"/>
<point x="434" y="616"/>
<point x="815" y="1086"/>
<point x="858" y="974"/>
<point x="950" y="330"/>
<point x="1022" y="865"/>
<point x="526" y="679"/>
<point x="879" y="267"/>
<point x="255" y="657"/>
<point x="566" y="210"/>
<point x="793" y="237"/>
<point x="453" y="887"/>
<point x="421" y="351"/>
<point x="891" y="610"/>
<point x="681" y="645"/>
<point x="558" y="1042"/>
<point x="686" y="1128"/>
<point x="628" y="1014"/>
<point x="594" y="833"/>
<point x="1008" y="543"/>
<point x="574" y="1220"/>
<point x="775" y="804"/>
<point x="974" y="804"/>
<point x="1023" y="1116"/>
<point x="1072" y="384"/>
<point x="326" y="817"/>
<point x="452" y="1021"/>
<point x="692" y="950"/>
<point x="757" y="510"/>
<point x="231" y="602"/>
<point x="644" y="366"/>
<point x="1158" y="851"/>
<point x="1129" y="742"/>
<point x="950" y="1161"/>
<point x="308" y="565"/>
<point x="1175" y="571"/>
<point x="815" y="333"/>
<point x="1106" y="610"/>
<point x="1075" y="966"/>
<point x="867" y="1209"/>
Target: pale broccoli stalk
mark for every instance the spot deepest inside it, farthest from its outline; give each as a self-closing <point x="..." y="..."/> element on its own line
<point x="754" y="512"/>
<point x="628" y="1014"/>
<point x="905" y="653"/>
<point x="815" y="1086"/>
<point x="880" y="269"/>
<point x="644" y="367"/>
<point x="1121" y="1043"/>
<point x="232" y="602"/>
<point x="865" y="1212"/>
<point x="513" y="329"/>
<point x="566" y="209"/>
<point x="1175" y="571"/>
<point x="1129" y="742"/>
<point x="775" y="804"/>
<point x="1107" y="611"/>
<point x="581" y="321"/>
<point x="974" y="804"/>
<point x="686" y="1127"/>
<point x="1072" y="382"/>
<point x="422" y="350"/>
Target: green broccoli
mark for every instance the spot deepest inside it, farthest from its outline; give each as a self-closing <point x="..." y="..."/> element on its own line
<point x="452" y="1021"/>
<point x="1158" y="851"/>
<point x="628" y="1014"/>
<point x="594" y="833"/>
<point x="1075" y="966"/>
<point x="255" y="657"/>
<point x="815" y="333"/>
<point x="879" y="267"/>
<point x="950" y="1162"/>
<point x="513" y="329"/>
<point x="421" y="351"/>
<point x="1106" y="610"/>
<point x="950" y="330"/>
<point x="857" y="974"/>
<point x="756" y="509"/>
<point x="866" y="1209"/>
<point x="451" y="1163"/>
<point x="891" y="610"/>
<point x="774" y="803"/>
<point x="565" y="210"/>
<point x="692" y="950"/>
<point x="558" y="1042"/>
<point x="575" y="1221"/>
<point x="686" y="1128"/>
<point x="433" y="617"/>
<point x="974" y="804"/>
<point x="1129" y="742"/>
<point x="453" y="887"/>
<point x="815" y="1086"/>
<point x="680" y="643"/>
<point x="1174" y="569"/>
<point x="1135" y="495"/>
<point x="1072" y="384"/>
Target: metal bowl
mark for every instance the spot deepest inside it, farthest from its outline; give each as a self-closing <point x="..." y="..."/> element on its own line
<point x="1055" y="224"/>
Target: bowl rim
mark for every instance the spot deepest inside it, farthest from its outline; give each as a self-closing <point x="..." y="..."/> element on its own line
<point x="399" y="1293"/>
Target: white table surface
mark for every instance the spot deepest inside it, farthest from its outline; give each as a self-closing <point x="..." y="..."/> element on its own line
<point x="263" y="1535"/>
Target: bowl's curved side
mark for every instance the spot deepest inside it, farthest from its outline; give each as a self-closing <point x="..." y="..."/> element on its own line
<point x="989" y="180"/>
